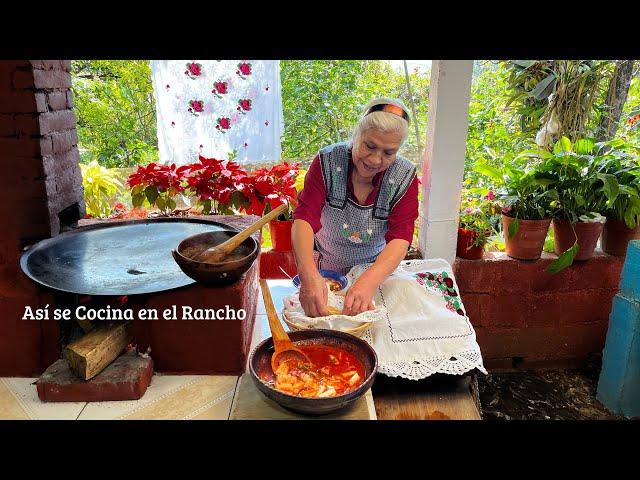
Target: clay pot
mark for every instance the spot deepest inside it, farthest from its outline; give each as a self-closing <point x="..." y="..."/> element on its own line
<point x="616" y="235"/>
<point x="587" y="233"/>
<point x="463" y="249"/>
<point x="528" y="241"/>
<point x="281" y="235"/>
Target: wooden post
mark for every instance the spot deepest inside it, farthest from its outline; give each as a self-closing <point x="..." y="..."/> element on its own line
<point x="92" y="353"/>
<point x="443" y="161"/>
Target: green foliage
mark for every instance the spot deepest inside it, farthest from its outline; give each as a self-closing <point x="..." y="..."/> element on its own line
<point x="116" y="112"/>
<point x="100" y="184"/>
<point x="323" y="99"/>
<point x="478" y="213"/>
<point x="492" y="136"/>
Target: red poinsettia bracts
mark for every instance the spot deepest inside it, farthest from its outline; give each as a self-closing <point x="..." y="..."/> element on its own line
<point x="271" y="187"/>
<point x="217" y="180"/>
<point x="157" y="184"/>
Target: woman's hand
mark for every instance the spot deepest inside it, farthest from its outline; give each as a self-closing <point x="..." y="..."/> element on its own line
<point x="314" y="295"/>
<point x="359" y="297"/>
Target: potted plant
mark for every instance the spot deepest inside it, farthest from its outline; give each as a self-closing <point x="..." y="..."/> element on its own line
<point x="265" y="189"/>
<point x="582" y="191"/>
<point x="623" y="216"/>
<point x="525" y="205"/>
<point x="478" y="214"/>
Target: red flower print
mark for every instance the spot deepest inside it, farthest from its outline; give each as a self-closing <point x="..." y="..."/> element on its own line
<point x="196" y="107"/>
<point x="223" y="123"/>
<point x="244" y="105"/>
<point x="193" y="70"/>
<point x="266" y="88"/>
<point x="173" y="124"/>
<point x="244" y="70"/>
<point x="266" y="123"/>
<point x="246" y="144"/>
<point x="219" y="88"/>
<point x="168" y="86"/>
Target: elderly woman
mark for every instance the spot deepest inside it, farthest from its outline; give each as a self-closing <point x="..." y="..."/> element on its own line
<point x="358" y="205"/>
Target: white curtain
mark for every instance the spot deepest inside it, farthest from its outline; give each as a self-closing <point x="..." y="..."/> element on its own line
<point x="216" y="107"/>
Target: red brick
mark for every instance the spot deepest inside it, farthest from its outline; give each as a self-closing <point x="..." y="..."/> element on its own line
<point x="27" y="124"/>
<point x="65" y="141"/>
<point x="18" y="101"/>
<point x="65" y="65"/>
<point x="20" y="340"/>
<point x="23" y="79"/>
<point x="70" y="99"/>
<point x="602" y="271"/>
<point x="473" y="307"/>
<point x="127" y="378"/>
<point x="202" y="347"/>
<point x="41" y="102"/>
<point x="8" y="127"/>
<point x="57" y="100"/>
<point x="46" y="64"/>
<point x="57" y="121"/>
<point x="504" y="310"/>
<point x="51" y="78"/>
<point x="567" y="308"/>
<point x="23" y="147"/>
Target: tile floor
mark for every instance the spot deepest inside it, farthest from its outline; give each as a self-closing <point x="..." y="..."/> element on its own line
<point x="196" y="397"/>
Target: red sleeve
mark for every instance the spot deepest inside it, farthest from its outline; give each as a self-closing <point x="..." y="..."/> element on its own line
<point x="312" y="197"/>
<point x="403" y="215"/>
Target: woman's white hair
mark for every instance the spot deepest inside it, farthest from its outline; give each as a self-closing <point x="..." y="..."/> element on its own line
<point x="380" y="120"/>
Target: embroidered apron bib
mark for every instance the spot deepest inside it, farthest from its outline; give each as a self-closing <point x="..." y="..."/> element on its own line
<point x="353" y="234"/>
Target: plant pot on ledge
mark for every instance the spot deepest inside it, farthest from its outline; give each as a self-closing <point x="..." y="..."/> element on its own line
<point x="616" y="236"/>
<point x="465" y="248"/>
<point x="587" y="233"/>
<point x="281" y="235"/>
<point x="528" y="240"/>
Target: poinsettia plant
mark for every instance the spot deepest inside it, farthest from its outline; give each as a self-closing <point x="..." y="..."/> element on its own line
<point x="157" y="185"/>
<point x="267" y="188"/>
<point x="218" y="185"/>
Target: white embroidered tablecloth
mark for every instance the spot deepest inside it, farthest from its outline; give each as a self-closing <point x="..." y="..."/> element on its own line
<point x="425" y="329"/>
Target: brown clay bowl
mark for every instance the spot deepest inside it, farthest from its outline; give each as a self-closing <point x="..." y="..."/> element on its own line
<point x="225" y="272"/>
<point x="261" y="372"/>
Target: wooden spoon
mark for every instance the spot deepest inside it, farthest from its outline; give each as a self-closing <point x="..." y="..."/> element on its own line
<point x="284" y="347"/>
<point x="217" y="253"/>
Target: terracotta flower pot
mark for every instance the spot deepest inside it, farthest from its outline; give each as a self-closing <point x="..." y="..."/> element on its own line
<point x="616" y="235"/>
<point x="587" y="233"/>
<point x="528" y="241"/>
<point x="281" y="235"/>
<point x="464" y="250"/>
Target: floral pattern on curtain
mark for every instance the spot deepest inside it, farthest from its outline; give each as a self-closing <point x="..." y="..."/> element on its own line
<point x="218" y="108"/>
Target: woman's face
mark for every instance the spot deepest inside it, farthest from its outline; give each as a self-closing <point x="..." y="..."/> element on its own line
<point x="375" y="151"/>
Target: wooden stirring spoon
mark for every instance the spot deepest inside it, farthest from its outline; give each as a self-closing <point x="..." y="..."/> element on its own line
<point x="218" y="253"/>
<point x="284" y="347"/>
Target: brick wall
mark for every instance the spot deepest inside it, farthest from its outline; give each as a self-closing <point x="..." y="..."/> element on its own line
<point x="40" y="177"/>
<point x="527" y="318"/>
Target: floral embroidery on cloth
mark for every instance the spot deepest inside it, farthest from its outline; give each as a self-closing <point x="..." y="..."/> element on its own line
<point x="443" y="284"/>
<point x="230" y="107"/>
<point x="356" y="236"/>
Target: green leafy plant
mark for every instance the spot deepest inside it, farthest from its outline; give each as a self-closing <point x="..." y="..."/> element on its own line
<point x="479" y="213"/>
<point x="100" y="184"/>
<point x="622" y="162"/>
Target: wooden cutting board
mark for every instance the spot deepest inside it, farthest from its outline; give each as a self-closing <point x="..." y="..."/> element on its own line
<point x="250" y="404"/>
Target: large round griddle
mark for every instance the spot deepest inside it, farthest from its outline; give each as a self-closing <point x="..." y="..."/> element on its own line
<point x="118" y="258"/>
